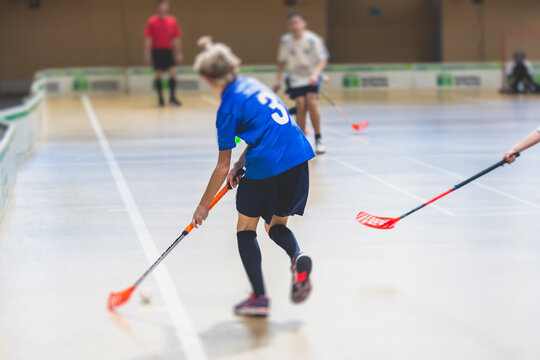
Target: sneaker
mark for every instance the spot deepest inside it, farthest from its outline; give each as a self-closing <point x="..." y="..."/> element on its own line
<point x="301" y="285"/>
<point x="253" y="307"/>
<point x="292" y="110"/>
<point x="319" y="147"/>
<point x="161" y="103"/>
<point x="175" y="102"/>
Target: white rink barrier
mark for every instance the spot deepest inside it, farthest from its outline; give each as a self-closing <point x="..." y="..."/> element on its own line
<point x="139" y="80"/>
<point x="27" y="119"/>
<point x="20" y="130"/>
<point x="84" y="80"/>
<point x="8" y="164"/>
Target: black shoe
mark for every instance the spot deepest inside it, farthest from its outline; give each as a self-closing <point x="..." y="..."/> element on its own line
<point x="175" y="102"/>
<point x="161" y="103"/>
<point x="292" y="110"/>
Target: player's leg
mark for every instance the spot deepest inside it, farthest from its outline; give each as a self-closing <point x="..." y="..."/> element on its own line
<point x="158" y="83"/>
<point x="292" y="110"/>
<point x="248" y="247"/>
<point x="301" y="263"/>
<point x="291" y="198"/>
<point x="172" y="87"/>
<point x="315" y="116"/>
<point x="282" y="236"/>
<point x="301" y="112"/>
<point x="250" y="252"/>
<point x="251" y="198"/>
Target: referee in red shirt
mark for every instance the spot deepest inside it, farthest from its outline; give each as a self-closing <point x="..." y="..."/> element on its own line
<point x="162" y="35"/>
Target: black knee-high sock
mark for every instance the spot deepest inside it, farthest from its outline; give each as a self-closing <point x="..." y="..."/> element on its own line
<point x="159" y="88"/>
<point x="172" y="87"/>
<point x="248" y="247"/>
<point x="284" y="237"/>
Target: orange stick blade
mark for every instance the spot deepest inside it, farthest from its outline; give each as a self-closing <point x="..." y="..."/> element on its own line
<point x="376" y="222"/>
<point x="119" y="298"/>
<point x="360" y="126"/>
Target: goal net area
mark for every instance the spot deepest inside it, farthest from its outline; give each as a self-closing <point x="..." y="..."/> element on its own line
<point x="516" y="41"/>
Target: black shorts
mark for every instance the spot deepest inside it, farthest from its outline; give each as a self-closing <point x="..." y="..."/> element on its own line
<point x="282" y="195"/>
<point x="162" y="59"/>
<point x="302" y="91"/>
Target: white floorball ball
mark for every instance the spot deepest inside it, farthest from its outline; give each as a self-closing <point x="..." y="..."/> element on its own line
<point x="146" y="295"/>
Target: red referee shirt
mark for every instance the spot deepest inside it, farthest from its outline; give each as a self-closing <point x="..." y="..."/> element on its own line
<point x="162" y="31"/>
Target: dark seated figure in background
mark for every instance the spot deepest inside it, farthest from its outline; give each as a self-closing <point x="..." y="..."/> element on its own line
<point x="520" y="74"/>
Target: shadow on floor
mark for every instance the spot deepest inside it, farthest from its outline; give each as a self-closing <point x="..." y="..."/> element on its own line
<point x="246" y="335"/>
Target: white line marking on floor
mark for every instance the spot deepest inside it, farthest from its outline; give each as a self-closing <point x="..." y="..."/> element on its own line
<point x="210" y="100"/>
<point x="492" y="214"/>
<point x="184" y="329"/>
<point x="335" y="131"/>
<point x="487" y="187"/>
<point x="506" y="102"/>
<point x="389" y="184"/>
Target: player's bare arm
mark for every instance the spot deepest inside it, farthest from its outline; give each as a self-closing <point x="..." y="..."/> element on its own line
<point x="319" y="68"/>
<point x="216" y="180"/>
<point x="178" y="53"/>
<point x="234" y="175"/>
<point x="530" y="140"/>
<point x="279" y="76"/>
<point x="148" y="51"/>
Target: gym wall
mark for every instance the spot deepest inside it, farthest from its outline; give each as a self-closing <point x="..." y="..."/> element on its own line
<point x="464" y="22"/>
<point x="380" y="31"/>
<point x="65" y="33"/>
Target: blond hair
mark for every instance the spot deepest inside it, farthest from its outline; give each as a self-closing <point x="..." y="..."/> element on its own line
<point x="216" y="61"/>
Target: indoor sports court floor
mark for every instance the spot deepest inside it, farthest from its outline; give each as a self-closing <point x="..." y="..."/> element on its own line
<point x="115" y="179"/>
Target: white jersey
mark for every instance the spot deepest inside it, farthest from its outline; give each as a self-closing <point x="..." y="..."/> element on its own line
<point x="301" y="56"/>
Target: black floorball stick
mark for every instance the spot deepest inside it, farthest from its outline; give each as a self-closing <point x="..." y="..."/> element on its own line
<point x="121" y="297"/>
<point x="389" y="223"/>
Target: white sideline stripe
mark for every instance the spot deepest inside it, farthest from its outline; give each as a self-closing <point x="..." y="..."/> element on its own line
<point x="487" y="187"/>
<point x="210" y="100"/>
<point x="335" y="131"/>
<point x="389" y="184"/>
<point x="183" y="327"/>
<point x="482" y="101"/>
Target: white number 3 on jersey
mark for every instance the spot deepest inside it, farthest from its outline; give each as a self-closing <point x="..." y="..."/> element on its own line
<point x="280" y="116"/>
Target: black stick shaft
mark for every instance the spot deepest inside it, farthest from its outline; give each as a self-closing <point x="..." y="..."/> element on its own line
<point x="461" y="184"/>
<point x="163" y="256"/>
<point x="480" y="174"/>
<point x="186" y="231"/>
<point x="327" y="98"/>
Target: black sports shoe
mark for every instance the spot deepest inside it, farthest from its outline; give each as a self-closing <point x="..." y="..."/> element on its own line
<point x="175" y="102"/>
<point x="301" y="285"/>
<point x="161" y="103"/>
<point x="292" y="110"/>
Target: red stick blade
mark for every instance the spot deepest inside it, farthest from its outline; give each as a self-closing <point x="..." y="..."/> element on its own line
<point x="376" y="222"/>
<point x="119" y="298"/>
<point x="361" y="126"/>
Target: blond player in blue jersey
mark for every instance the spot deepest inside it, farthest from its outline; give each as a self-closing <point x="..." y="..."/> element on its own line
<point x="276" y="181"/>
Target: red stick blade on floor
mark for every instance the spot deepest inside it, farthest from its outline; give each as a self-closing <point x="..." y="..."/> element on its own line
<point x="360" y="126"/>
<point x="119" y="298"/>
<point x="376" y="222"/>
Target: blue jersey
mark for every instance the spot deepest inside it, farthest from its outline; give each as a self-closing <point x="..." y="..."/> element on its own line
<point x="255" y="114"/>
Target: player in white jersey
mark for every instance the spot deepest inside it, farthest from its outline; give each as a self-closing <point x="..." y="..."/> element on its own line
<point x="304" y="54"/>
